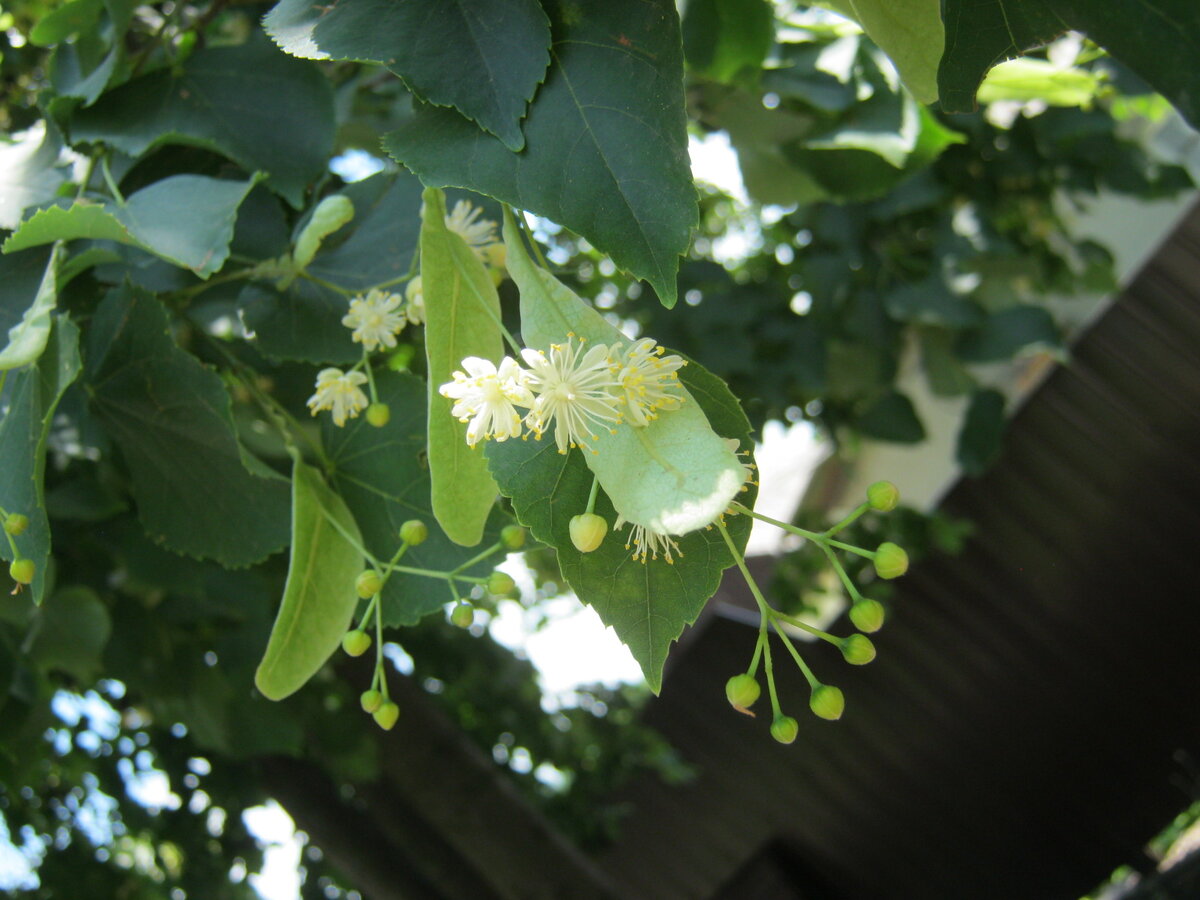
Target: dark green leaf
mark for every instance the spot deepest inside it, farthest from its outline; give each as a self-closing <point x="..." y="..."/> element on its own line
<point x="930" y="302"/>
<point x="319" y="597"/>
<point x="28" y="173"/>
<point x="171" y="418"/>
<point x="979" y="439"/>
<point x="892" y="418"/>
<point x="257" y="106"/>
<point x="186" y="220"/>
<point x="606" y="140"/>
<point x="485" y="58"/>
<point x="28" y="335"/>
<point x="1158" y="40"/>
<point x="908" y="31"/>
<point x="69" y="19"/>
<point x="723" y="38"/>
<point x="70" y="632"/>
<point x="1007" y="332"/>
<point x="944" y="371"/>
<point x="81" y="70"/>
<point x="647" y="604"/>
<point x="29" y="398"/>
<point x="383" y="475"/>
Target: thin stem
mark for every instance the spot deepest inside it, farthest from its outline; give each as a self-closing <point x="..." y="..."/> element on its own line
<point x="383" y="689"/>
<point x="591" y="504"/>
<point x="108" y="179"/>
<point x="368" y="612"/>
<point x="87" y="178"/>
<point x="804" y="626"/>
<point x="808" y="675"/>
<point x="837" y="567"/>
<point x="829" y="532"/>
<point x="328" y="285"/>
<point x="366" y="364"/>
<point x="400" y="279"/>
<point x="764" y="612"/>
<point x="537" y="249"/>
<point x="477" y="558"/>
<point x="850" y="548"/>
<point x="758" y="645"/>
<point x="804" y="533"/>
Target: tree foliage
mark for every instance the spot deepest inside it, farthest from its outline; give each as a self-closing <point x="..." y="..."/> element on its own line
<point x="181" y="265"/>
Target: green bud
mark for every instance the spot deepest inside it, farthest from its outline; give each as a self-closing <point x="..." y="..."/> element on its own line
<point x="784" y="729"/>
<point x="512" y="537"/>
<point x="463" y="614"/>
<point x="386" y="715"/>
<point x="15" y="523"/>
<point x="883" y="496"/>
<point x="414" y="532"/>
<point x="867" y="615"/>
<point x="371" y="701"/>
<point x="356" y="642"/>
<point x="500" y="584"/>
<point x="378" y="414"/>
<point x="741" y="691"/>
<point x="827" y="702"/>
<point x="22" y="571"/>
<point x="587" y="531"/>
<point x="857" y="649"/>
<point x="368" y="583"/>
<point x="890" y="560"/>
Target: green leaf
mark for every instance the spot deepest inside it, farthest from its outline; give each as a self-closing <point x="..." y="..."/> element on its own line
<point x="29" y="175"/>
<point x="1157" y="39"/>
<point x="305" y="321"/>
<point x="725" y="38"/>
<point x="29" y="400"/>
<point x="462" y="318"/>
<point x="945" y="373"/>
<point x="892" y="418"/>
<point x="70" y="633"/>
<point x="979" y="439"/>
<point x="606" y="140"/>
<point x="185" y="219"/>
<point x="383" y="475"/>
<point x="69" y="19"/>
<point x="27" y="338"/>
<point x="910" y="32"/>
<point x="485" y="58"/>
<point x="647" y="604"/>
<point x="171" y="418"/>
<point x="319" y="597"/>
<point x="1006" y="333"/>
<point x="686" y="474"/>
<point x="931" y="302"/>
<point x="331" y="214"/>
<point x="261" y="108"/>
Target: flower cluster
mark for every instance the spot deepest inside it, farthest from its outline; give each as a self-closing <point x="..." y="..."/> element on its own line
<point x="575" y="388"/>
<point x="479" y="234"/>
<point x="341" y="393"/>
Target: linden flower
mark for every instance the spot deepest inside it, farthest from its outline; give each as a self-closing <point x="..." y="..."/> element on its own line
<point x="339" y="392"/>
<point x="573" y="389"/>
<point x="648" y="542"/>
<point x="648" y="379"/>
<point x="479" y="235"/>
<point x="486" y="396"/>
<point x="376" y="319"/>
<point x="415" y="308"/>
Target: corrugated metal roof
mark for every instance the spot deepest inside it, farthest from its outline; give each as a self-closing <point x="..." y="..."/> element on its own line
<point x="1019" y="733"/>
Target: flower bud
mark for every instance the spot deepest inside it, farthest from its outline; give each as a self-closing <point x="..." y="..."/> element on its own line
<point x="784" y="729"/>
<point x="386" y="715"/>
<point x="512" y="537"/>
<point x="371" y="701"/>
<point x="368" y="584"/>
<point x="356" y="642"/>
<point x="15" y="523"/>
<point x="741" y="691"/>
<point x="378" y="414"/>
<point x="857" y="649"/>
<point x="496" y="255"/>
<point x="827" y="702"/>
<point x="890" y="560"/>
<point x="867" y="615"/>
<point x="587" y="531"/>
<point x="883" y="496"/>
<point x="500" y="584"/>
<point x="414" y="532"/>
<point x="22" y="571"/>
<point x="463" y="614"/>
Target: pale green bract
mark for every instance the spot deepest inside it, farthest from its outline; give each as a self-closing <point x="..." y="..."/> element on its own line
<point x="673" y="476"/>
<point x="27" y="339"/>
<point x="319" y="597"/>
<point x="330" y="215"/>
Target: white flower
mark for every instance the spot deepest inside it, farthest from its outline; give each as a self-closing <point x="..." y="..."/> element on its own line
<point x="376" y="319"/>
<point x="573" y="389"/>
<point x="479" y="235"/>
<point x="415" y="308"/>
<point x="339" y="392"/>
<point x="648" y="542"/>
<point x="647" y="379"/>
<point x="486" y="397"/>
